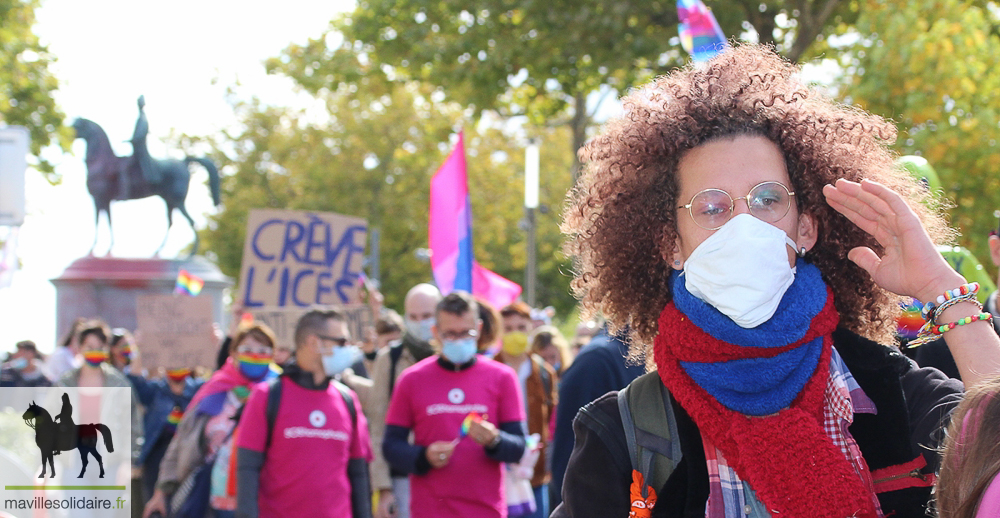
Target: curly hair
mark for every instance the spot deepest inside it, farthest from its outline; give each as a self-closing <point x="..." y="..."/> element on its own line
<point x="621" y="217"/>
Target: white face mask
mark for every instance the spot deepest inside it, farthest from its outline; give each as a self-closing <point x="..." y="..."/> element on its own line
<point x="742" y="270"/>
<point x="421" y="329"/>
<point x="340" y="359"/>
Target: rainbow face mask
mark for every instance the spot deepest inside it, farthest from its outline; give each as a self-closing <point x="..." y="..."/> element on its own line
<point x="253" y="366"/>
<point x="95" y="358"/>
<point x="178" y="374"/>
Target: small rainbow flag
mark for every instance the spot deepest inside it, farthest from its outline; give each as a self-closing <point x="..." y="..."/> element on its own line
<point x="473" y="417"/>
<point x="909" y="323"/>
<point x="189" y="284"/>
<point x="174" y="416"/>
<point x="700" y="33"/>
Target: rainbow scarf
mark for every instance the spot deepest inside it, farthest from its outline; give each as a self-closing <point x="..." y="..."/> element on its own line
<point x="758" y="395"/>
<point x="210" y="397"/>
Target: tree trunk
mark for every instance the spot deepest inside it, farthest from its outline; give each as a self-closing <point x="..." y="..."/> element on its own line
<point x="579" y="125"/>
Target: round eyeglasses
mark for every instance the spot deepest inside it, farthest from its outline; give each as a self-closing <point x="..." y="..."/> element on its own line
<point x="712" y="208"/>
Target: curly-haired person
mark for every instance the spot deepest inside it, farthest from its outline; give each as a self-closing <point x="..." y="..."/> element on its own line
<point x="755" y="239"/>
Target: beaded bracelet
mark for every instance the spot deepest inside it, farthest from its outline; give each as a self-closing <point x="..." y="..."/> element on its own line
<point x="963" y="292"/>
<point x="940" y="309"/>
<point x="930" y="331"/>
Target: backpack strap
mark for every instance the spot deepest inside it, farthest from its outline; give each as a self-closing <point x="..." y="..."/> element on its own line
<point x="650" y="429"/>
<point x="394" y="353"/>
<point x="345" y="393"/>
<point x="271" y="410"/>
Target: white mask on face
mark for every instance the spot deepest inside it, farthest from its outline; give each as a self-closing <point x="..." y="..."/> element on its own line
<point x="742" y="270"/>
<point x="421" y="329"/>
<point x="340" y="359"/>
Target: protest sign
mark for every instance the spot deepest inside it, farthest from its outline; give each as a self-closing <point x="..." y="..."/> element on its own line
<point x="282" y="320"/>
<point x="176" y="331"/>
<point x="301" y="259"/>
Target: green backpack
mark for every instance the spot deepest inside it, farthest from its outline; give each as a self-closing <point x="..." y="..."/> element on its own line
<point x="650" y="429"/>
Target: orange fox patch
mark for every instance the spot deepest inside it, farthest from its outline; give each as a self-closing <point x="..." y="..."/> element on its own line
<point x="641" y="507"/>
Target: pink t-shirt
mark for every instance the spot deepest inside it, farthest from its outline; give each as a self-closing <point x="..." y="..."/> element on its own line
<point x="305" y="468"/>
<point x="989" y="505"/>
<point x="433" y="401"/>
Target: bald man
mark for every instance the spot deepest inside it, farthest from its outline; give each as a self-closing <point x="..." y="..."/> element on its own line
<point x="419" y="307"/>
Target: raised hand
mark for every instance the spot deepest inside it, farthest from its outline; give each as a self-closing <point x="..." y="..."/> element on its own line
<point x="910" y="264"/>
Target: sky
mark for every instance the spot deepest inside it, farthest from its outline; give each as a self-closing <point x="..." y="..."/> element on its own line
<point x="182" y="56"/>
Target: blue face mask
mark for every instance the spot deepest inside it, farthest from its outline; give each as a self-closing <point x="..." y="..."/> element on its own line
<point x="19" y="363"/>
<point x="421" y="329"/>
<point x="340" y="359"/>
<point x="459" y="351"/>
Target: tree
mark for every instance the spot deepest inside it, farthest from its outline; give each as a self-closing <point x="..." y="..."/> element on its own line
<point x="545" y="60"/>
<point x="943" y="92"/>
<point x="370" y="152"/>
<point x="26" y="84"/>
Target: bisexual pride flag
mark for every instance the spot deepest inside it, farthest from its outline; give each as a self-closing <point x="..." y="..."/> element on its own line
<point x="700" y="33"/>
<point x="189" y="284"/>
<point x="450" y="237"/>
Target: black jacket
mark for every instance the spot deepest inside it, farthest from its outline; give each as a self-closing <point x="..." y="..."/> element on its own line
<point x="912" y="403"/>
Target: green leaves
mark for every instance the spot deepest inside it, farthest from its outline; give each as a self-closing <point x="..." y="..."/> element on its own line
<point x="934" y="68"/>
<point x="26" y="85"/>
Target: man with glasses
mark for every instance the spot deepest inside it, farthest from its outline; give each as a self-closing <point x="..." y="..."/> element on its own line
<point x="310" y="457"/>
<point x="393" y="487"/>
<point x="450" y="402"/>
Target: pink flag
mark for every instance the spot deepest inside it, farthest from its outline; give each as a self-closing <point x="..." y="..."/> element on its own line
<point x="450" y="237"/>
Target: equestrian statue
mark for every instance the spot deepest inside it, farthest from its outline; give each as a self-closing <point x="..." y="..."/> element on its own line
<point x="114" y="178"/>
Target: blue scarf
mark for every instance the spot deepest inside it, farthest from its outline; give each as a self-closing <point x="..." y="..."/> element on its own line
<point x="759" y="386"/>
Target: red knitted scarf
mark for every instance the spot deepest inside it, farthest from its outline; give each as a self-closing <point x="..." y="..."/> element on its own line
<point x="786" y="457"/>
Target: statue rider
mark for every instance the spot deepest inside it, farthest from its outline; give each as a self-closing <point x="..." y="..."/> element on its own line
<point x="65" y="418"/>
<point x="140" y="155"/>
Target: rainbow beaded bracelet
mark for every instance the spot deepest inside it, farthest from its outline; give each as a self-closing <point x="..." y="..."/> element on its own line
<point x="931" y="331"/>
<point x="963" y="292"/>
<point x="943" y="328"/>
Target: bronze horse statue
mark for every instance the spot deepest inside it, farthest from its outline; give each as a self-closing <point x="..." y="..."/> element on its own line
<point x="52" y="437"/>
<point x="105" y="171"/>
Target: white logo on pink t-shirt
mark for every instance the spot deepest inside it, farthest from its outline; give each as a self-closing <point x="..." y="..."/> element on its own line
<point x="456" y="396"/>
<point x="317" y="419"/>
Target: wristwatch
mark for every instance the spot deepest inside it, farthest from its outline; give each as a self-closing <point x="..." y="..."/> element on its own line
<point x="495" y="442"/>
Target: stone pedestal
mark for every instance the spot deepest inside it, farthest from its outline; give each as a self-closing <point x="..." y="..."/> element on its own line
<point x="107" y="288"/>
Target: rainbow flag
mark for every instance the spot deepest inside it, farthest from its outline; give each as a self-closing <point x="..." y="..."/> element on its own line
<point x="910" y="322"/>
<point x="188" y="284"/>
<point x="700" y="34"/>
<point x="174" y="416"/>
<point x="473" y="417"/>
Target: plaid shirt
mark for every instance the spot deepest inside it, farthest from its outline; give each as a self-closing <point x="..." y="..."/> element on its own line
<point x="729" y="497"/>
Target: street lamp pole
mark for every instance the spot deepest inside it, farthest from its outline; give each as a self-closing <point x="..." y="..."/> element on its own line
<point x="531" y="167"/>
